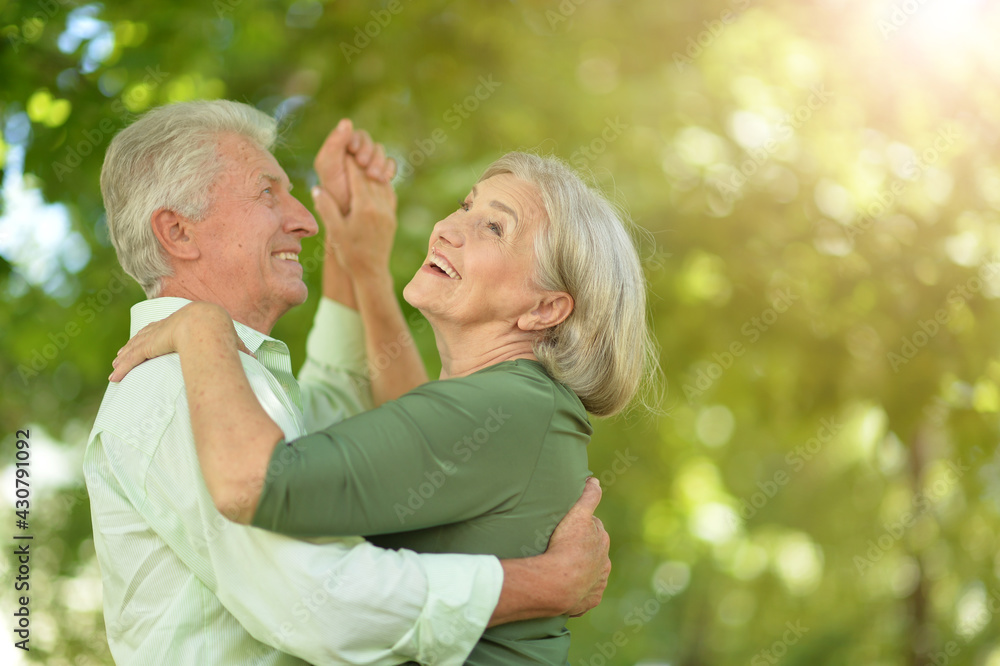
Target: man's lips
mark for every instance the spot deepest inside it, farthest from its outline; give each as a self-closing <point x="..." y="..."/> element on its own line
<point x="287" y="256"/>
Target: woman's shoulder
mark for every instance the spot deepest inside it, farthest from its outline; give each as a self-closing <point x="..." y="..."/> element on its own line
<point x="522" y="382"/>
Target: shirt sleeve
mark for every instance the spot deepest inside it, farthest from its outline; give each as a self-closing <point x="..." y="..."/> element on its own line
<point x="341" y="601"/>
<point x="445" y="452"/>
<point x="334" y="381"/>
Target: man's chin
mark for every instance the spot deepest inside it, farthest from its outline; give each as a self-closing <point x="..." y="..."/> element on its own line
<point x="296" y="296"/>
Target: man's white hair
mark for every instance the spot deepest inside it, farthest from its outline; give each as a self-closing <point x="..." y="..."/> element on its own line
<point x="168" y="159"/>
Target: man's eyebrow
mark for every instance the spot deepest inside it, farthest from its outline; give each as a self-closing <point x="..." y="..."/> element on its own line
<point x="505" y="208"/>
<point x="274" y="179"/>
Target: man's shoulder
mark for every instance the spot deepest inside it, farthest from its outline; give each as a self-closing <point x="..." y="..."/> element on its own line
<point x="139" y="409"/>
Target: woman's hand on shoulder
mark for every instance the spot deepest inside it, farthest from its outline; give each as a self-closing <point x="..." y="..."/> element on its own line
<point x="169" y="335"/>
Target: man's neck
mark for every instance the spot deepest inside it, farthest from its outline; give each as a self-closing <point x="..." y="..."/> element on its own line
<point x="251" y="318"/>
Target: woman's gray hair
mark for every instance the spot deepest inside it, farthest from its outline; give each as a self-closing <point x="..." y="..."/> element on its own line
<point x="604" y="350"/>
<point x="168" y="159"/>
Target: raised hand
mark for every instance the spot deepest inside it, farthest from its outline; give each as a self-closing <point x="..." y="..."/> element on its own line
<point x="341" y="145"/>
<point x="362" y="238"/>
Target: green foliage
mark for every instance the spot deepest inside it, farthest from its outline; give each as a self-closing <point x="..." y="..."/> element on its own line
<point x="818" y="183"/>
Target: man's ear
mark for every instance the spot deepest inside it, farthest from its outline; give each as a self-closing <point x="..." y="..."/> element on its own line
<point x="551" y="311"/>
<point x="174" y="233"/>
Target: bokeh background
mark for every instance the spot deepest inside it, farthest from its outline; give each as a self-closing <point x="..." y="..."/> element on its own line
<point x="818" y="186"/>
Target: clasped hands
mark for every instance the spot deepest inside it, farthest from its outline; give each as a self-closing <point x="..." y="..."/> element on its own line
<point x="355" y="200"/>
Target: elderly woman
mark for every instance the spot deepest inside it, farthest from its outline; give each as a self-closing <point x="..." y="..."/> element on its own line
<point x="537" y="302"/>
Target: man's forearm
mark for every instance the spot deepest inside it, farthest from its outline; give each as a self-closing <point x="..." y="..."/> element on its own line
<point x="531" y="589"/>
<point x="393" y="361"/>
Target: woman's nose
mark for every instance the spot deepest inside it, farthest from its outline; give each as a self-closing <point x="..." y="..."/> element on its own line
<point x="451" y="231"/>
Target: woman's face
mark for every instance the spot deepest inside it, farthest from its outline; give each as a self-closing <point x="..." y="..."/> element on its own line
<point x="480" y="265"/>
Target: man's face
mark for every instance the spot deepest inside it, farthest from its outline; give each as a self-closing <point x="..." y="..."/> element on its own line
<point x="250" y="241"/>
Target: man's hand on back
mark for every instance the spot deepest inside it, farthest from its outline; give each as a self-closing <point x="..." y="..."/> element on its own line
<point x="567" y="579"/>
<point x="582" y="544"/>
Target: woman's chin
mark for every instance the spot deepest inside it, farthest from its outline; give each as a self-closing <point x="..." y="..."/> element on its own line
<point x="411" y="292"/>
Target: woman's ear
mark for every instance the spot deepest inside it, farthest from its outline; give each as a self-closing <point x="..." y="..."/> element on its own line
<point x="174" y="233"/>
<point x="551" y="311"/>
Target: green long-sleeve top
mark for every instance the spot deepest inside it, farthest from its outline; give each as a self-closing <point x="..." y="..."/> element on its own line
<point x="488" y="463"/>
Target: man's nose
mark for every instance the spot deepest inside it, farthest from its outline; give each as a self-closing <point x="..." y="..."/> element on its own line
<point x="299" y="220"/>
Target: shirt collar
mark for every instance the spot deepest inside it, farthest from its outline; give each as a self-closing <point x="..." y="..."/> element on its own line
<point x="155" y="309"/>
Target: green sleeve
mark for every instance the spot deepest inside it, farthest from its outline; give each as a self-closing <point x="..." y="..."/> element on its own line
<point x="443" y="453"/>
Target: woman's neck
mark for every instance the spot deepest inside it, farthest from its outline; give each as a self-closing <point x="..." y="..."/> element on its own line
<point x="465" y="351"/>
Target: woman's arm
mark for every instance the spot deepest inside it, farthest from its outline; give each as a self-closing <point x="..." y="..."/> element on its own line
<point x="446" y="452"/>
<point x="233" y="434"/>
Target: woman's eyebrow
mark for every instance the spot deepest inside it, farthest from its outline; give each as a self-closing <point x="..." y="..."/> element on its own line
<point x="499" y="205"/>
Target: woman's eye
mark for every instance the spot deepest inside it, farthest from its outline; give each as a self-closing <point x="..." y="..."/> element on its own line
<point x="495" y="228"/>
<point x="465" y="205"/>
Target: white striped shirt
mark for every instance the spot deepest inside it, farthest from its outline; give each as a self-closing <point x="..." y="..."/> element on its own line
<point x="183" y="585"/>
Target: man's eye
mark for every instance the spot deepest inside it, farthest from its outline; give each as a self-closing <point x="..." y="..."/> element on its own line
<point x="267" y="190"/>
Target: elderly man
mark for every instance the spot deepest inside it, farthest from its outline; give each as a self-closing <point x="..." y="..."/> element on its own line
<point x="198" y="209"/>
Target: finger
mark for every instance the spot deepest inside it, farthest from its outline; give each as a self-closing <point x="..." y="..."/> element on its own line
<point x="358" y="183"/>
<point x="357" y="138"/>
<point x="127" y="359"/>
<point x="365" y="150"/>
<point x="337" y="140"/>
<point x="377" y="165"/>
<point x="590" y="498"/>
<point x="390" y="170"/>
<point x="331" y="153"/>
<point x="330" y="160"/>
